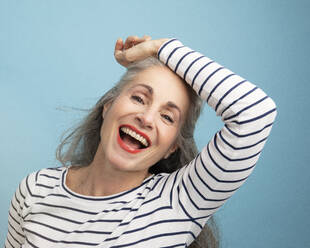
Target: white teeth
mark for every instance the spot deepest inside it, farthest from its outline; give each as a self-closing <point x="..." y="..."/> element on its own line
<point x="135" y="135"/>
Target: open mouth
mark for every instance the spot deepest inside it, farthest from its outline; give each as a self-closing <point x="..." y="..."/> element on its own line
<point x="132" y="140"/>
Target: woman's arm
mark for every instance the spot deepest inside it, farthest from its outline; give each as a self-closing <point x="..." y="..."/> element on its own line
<point x="224" y="164"/>
<point x="228" y="159"/>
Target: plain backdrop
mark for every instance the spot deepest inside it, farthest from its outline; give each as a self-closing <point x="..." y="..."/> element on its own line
<point x="56" y="57"/>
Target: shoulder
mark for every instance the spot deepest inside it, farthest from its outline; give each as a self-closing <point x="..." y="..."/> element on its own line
<point x="37" y="183"/>
<point x="49" y="175"/>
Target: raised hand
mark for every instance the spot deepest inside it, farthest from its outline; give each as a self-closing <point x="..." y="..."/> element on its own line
<point x="135" y="49"/>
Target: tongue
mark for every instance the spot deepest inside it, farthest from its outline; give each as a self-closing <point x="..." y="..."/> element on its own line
<point x="131" y="142"/>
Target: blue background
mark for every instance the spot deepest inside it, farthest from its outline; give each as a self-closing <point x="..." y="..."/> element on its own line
<point x="58" y="55"/>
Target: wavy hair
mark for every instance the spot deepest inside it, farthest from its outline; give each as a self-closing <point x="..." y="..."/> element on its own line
<point x="79" y="146"/>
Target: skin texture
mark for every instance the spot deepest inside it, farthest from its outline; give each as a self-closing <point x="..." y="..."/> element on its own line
<point x="155" y="103"/>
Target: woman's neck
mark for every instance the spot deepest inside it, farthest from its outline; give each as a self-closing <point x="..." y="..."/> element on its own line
<point x="101" y="179"/>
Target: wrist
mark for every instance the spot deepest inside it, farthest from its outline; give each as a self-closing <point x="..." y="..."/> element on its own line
<point x="158" y="44"/>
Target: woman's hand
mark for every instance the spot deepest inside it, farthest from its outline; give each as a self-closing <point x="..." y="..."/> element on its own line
<point x="135" y="49"/>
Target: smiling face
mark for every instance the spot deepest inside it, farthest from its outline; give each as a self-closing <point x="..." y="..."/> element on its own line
<point x="142" y="124"/>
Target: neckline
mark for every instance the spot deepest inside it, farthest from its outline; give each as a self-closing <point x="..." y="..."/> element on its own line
<point x="121" y="196"/>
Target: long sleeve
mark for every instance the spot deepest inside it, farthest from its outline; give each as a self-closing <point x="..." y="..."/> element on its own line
<point x="18" y="210"/>
<point x="224" y="164"/>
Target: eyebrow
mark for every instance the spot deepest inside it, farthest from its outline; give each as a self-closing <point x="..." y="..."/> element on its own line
<point x="150" y="90"/>
<point x="172" y="105"/>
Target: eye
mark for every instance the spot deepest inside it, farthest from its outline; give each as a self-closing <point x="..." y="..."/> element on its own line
<point x="167" y="118"/>
<point x="137" y="99"/>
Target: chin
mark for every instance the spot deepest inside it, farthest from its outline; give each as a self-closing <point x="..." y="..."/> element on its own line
<point x="123" y="164"/>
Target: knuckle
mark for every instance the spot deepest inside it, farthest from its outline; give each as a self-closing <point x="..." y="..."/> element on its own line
<point x="129" y="38"/>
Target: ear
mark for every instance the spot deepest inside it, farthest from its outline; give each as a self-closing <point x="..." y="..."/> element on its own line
<point x="171" y="150"/>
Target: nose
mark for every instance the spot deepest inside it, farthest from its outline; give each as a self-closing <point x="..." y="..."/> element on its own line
<point x="146" y="119"/>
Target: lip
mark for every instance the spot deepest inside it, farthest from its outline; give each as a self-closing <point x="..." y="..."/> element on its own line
<point x="126" y="147"/>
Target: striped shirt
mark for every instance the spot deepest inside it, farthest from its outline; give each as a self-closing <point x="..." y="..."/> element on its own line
<point x="166" y="210"/>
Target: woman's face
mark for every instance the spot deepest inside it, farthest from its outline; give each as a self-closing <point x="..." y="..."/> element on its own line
<point x="142" y="124"/>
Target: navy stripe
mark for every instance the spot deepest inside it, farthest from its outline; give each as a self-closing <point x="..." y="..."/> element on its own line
<point x="233" y="159"/>
<point x="218" y="180"/>
<point x="225" y="170"/>
<point x="185" y="73"/>
<point x="149" y="225"/>
<point x="7" y="239"/>
<point x="202" y="196"/>
<point x="146" y="214"/>
<point x="176" y="245"/>
<point x="255" y="118"/>
<point x="34" y="246"/>
<point x="20" y="191"/>
<point x="186" y="213"/>
<point x="88" y="212"/>
<point x="15" y="209"/>
<point x="173" y="186"/>
<point x="207" y="79"/>
<point x="196" y="75"/>
<point x="156" y="197"/>
<point x="29" y="191"/>
<point x="14" y="238"/>
<point x="119" y="202"/>
<point x="248" y="134"/>
<point x="55" y="168"/>
<point x="60" y="241"/>
<point x="48" y="176"/>
<point x="73" y="221"/>
<point x="227" y="93"/>
<point x="154" y="237"/>
<point x="159" y="52"/>
<point x="241" y="97"/>
<point x="211" y="189"/>
<point x="17" y="200"/>
<point x="155" y="184"/>
<point x="12" y="227"/>
<point x="216" y="86"/>
<point x="68" y="232"/>
<point x="246" y="108"/>
<point x="157" y="223"/>
<point x="191" y="200"/>
<point x="242" y="147"/>
<point x="46" y="186"/>
<point x="146" y="188"/>
<point x="9" y="243"/>
<point x="17" y="222"/>
<point x="68" y="208"/>
<point x="177" y="66"/>
<point x="173" y="51"/>
<point x="36" y="177"/>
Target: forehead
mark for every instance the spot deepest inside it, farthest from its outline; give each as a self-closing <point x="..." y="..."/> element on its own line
<point x="163" y="85"/>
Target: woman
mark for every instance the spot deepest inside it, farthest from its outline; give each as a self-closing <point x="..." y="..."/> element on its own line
<point x="132" y="179"/>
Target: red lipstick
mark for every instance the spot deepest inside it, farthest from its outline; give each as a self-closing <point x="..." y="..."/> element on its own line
<point x="128" y="148"/>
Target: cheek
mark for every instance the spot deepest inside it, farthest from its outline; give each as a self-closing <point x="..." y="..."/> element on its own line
<point x="169" y="136"/>
<point x="126" y="106"/>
